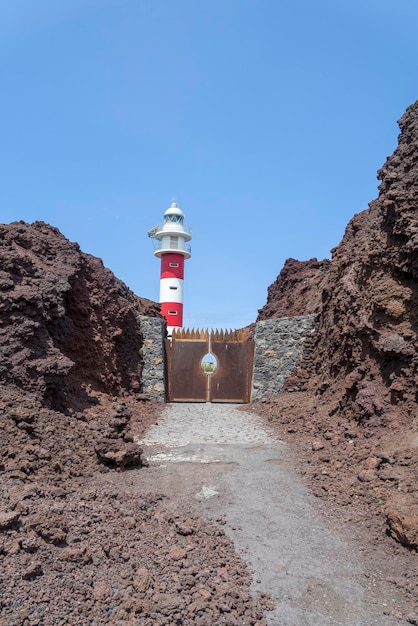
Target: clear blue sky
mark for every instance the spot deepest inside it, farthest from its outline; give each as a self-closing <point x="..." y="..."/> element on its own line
<point x="265" y="119"/>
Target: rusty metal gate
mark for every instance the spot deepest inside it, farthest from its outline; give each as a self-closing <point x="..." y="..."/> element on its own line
<point x="225" y="377"/>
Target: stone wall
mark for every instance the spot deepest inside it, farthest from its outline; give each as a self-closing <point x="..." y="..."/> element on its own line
<point x="153" y="379"/>
<point x="278" y="343"/>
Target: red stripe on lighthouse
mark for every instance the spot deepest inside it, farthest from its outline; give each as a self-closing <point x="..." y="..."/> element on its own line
<point x="173" y="313"/>
<point x="172" y="265"/>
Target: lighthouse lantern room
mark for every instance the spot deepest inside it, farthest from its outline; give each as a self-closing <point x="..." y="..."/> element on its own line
<point x="172" y="247"/>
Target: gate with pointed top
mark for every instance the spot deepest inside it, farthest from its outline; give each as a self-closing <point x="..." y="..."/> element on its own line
<point x="209" y="366"/>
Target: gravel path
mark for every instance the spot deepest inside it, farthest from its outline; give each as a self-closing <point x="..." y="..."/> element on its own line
<point x="234" y="470"/>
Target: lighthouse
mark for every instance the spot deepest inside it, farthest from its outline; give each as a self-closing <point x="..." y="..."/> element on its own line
<point x="172" y="247"/>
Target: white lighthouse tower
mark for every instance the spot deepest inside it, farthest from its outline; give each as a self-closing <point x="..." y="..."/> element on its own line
<point x="170" y="245"/>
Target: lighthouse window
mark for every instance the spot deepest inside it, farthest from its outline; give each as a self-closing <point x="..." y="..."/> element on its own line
<point x="173" y="264"/>
<point x="172" y="312"/>
<point x="174" y="242"/>
<point x="173" y="287"/>
<point x="177" y="219"/>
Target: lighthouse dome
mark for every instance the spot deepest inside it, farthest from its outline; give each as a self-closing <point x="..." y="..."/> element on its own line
<point x="174" y="214"/>
<point x="173" y="235"/>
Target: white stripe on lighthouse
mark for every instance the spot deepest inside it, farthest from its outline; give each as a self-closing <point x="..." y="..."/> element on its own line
<point x="171" y="290"/>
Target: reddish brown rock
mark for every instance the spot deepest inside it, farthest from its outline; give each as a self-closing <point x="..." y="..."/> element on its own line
<point x="402" y="519"/>
<point x="297" y="290"/>
<point x="48" y="525"/>
<point x="371" y="463"/>
<point x="67" y="323"/>
<point x="32" y="571"/>
<point x="367" y="322"/>
<point x="143" y="580"/>
<point x="177" y="553"/>
<point x="363" y="359"/>
<point x="366" y="475"/>
<point x="121" y="455"/>
<point x="75" y="554"/>
<point x="8" y="519"/>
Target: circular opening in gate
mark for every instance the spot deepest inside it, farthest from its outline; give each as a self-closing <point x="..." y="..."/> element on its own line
<point x="209" y="364"/>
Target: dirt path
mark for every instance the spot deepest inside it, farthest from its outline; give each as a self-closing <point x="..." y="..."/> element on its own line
<point x="228" y="466"/>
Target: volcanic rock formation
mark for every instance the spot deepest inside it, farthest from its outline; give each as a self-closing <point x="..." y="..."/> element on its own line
<point x="66" y="322"/>
<point x="358" y="376"/>
<point x="297" y="289"/>
<point x="366" y="298"/>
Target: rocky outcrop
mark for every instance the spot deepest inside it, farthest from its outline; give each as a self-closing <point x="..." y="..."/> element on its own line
<point x="365" y="298"/>
<point x="402" y="519"/>
<point x="71" y="343"/>
<point x="39" y="442"/>
<point x="366" y="345"/>
<point x="297" y="289"/>
<point x="359" y="370"/>
<point x="67" y="323"/>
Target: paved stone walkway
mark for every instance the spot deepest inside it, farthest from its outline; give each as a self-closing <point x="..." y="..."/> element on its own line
<point x="230" y="465"/>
